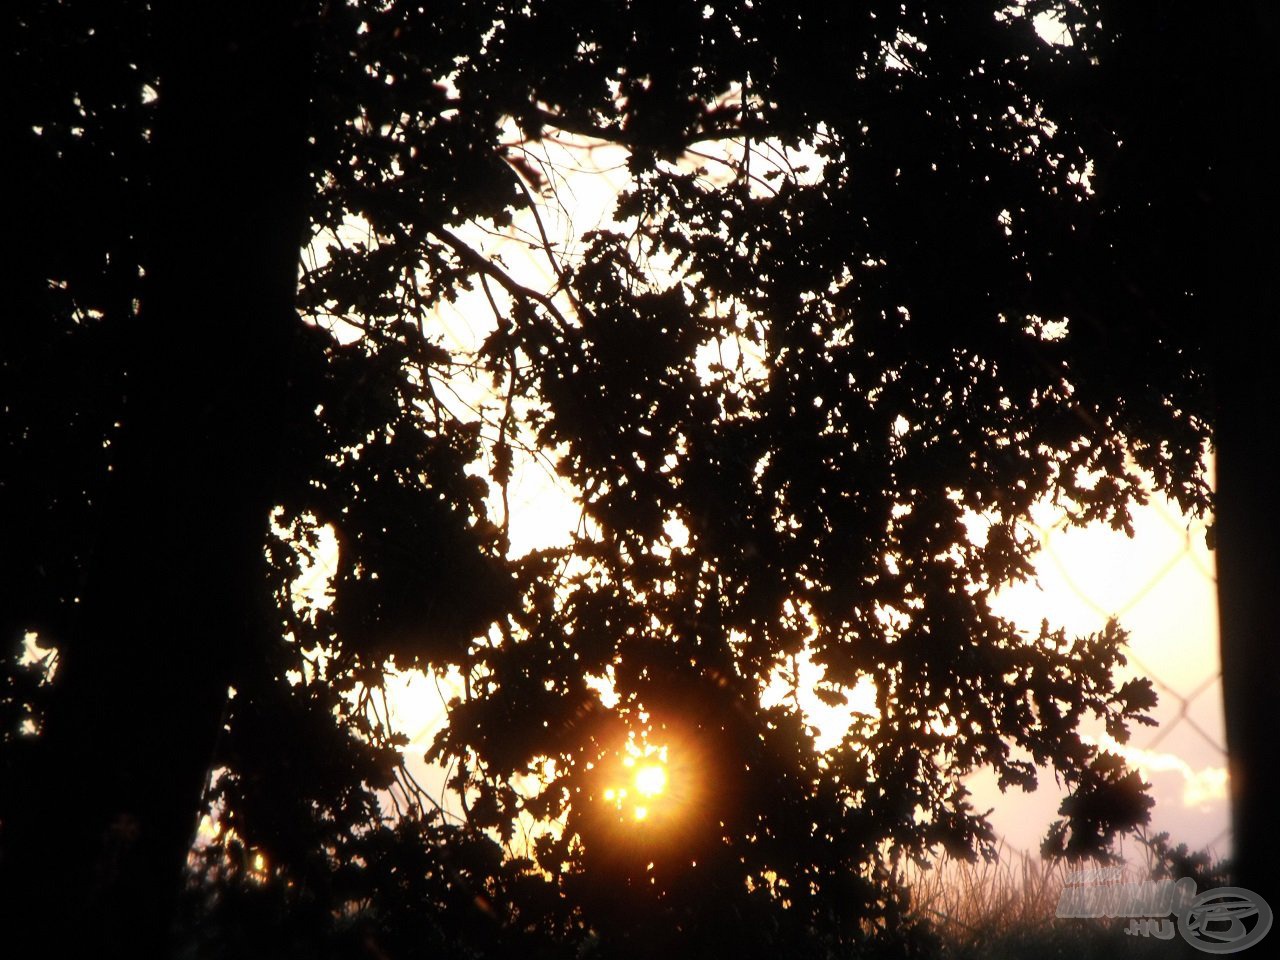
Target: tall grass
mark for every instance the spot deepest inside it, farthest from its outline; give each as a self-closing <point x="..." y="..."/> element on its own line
<point x="1005" y="908"/>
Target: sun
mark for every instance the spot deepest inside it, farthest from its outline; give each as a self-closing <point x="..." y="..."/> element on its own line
<point x="642" y="787"/>
<point x="651" y="779"/>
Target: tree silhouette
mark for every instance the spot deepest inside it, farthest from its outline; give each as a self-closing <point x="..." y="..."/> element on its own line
<point x="784" y="397"/>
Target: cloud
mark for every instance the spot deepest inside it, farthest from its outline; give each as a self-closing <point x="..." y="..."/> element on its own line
<point x="1200" y="788"/>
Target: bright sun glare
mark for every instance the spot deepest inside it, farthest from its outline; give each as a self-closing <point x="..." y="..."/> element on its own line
<point x="644" y="781"/>
<point x="651" y="780"/>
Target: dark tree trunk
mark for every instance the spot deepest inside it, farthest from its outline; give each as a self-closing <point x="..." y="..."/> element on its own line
<point x="173" y="601"/>
<point x="1248" y="535"/>
<point x="1246" y="258"/>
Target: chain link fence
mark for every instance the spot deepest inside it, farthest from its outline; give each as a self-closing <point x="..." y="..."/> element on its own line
<point x="1161" y="586"/>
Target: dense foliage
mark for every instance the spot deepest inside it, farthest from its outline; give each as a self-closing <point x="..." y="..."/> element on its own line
<point x="803" y="408"/>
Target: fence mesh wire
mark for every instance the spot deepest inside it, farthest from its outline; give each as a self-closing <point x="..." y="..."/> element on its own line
<point x="1171" y="566"/>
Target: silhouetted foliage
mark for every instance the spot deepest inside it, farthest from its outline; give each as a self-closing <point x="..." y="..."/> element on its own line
<point x="803" y="411"/>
